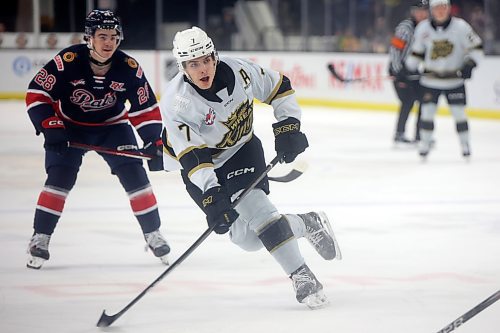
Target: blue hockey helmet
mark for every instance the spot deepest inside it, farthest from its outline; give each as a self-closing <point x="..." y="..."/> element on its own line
<point x="101" y="19"/>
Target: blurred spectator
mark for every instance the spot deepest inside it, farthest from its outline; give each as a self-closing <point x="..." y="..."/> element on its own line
<point x="477" y="20"/>
<point x="21" y="40"/>
<point x="381" y="35"/>
<point x="349" y="42"/>
<point x="51" y="41"/>
<point x="75" y="39"/>
<point x="2" y="30"/>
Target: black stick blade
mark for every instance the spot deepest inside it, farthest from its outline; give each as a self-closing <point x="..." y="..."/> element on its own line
<point x="336" y="75"/>
<point x="106" y="320"/>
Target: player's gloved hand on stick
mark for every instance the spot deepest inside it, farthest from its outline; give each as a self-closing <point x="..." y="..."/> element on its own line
<point x="288" y="139"/>
<point x="56" y="138"/>
<point x="154" y="148"/>
<point x="467" y="69"/>
<point x="405" y="74"/>
<point x="217" y="206"/>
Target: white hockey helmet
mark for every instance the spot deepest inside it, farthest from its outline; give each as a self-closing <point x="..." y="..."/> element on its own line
<point x="433" y="3"/>
<point x="190" y="44"/>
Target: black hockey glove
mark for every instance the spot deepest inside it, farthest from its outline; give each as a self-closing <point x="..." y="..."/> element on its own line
<point x="155" y="149"/>
<point x="467" y="69"/>
<point x="217" y="207"/>
<point x="288" y="139"/>
<point x="56" y="138"/>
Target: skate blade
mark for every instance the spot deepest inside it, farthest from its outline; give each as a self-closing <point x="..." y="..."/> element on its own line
<point x="316" y="301"/>
<point x="324" y="218"/>
<point x="35" y="262"/>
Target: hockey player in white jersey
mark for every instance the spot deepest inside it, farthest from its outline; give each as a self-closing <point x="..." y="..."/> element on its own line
<point x="449" y="49"/>
<point x="207" y="111"/>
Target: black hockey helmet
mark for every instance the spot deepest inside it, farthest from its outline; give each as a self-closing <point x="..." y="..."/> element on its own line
<point x="101" y="19"/>
<point x="420" y="4"/>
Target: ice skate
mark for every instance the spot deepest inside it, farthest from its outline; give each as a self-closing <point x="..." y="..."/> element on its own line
<point x="308" y="290"/>
<point x="423" y="149"/>
<point x="401" y="141"/>
<point x="157" y="243"/>
<point x="320" y="234"/>
<point x="38" y="250"/>
<point x="466" y="151"/>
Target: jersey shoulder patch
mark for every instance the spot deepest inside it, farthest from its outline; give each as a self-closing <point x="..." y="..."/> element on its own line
<point x="181" y="103"/>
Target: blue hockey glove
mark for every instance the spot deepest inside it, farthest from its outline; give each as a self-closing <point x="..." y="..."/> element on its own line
<point x="56" y="138"/>
<point x="155" y="149"/>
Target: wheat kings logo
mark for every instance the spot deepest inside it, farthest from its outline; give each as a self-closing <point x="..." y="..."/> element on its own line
<point x="239" y="124"/>
<point x="441" y="49"/>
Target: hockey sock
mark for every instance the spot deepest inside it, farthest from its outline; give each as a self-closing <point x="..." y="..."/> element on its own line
<point x="279" y="240"/>
<point x="145" y="208"/>
<point x="49" y="209"/>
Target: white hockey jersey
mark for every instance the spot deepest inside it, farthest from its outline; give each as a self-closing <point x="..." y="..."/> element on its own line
<point x="443" y="50"/>
<point x="221" y="121"/>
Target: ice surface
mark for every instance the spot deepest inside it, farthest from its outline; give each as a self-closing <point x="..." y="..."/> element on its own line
<point x="421" y="241"/>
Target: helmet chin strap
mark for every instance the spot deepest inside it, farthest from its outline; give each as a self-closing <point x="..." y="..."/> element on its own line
<point x="95" y="57"/>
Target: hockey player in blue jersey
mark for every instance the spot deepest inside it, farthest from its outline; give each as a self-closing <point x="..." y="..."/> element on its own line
<point x="79" y="96"/>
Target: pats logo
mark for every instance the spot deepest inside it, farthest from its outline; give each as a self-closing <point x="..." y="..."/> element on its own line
<point x="89" y="103"/>
<point x="210" y="117"/>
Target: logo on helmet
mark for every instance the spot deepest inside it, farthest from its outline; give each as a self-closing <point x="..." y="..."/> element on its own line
<point x="191" y="44"/>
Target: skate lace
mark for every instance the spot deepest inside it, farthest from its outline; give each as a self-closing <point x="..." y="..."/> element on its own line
<point x="155" y="239"/>
<point x="301" y="278"/>
<point x="40" y="241"/>
<point x="315" y="236"/>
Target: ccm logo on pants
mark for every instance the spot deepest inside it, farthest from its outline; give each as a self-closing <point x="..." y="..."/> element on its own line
<point x="239" y="172"/>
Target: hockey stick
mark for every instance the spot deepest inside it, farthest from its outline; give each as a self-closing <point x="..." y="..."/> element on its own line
<point x="342" y="79"/>
<point x="447" y="75"/>
<point x="295" y="173"/>
<point x="106" y="320"/>
<point x="471" y="313"/>
<point x="110" y="151"/>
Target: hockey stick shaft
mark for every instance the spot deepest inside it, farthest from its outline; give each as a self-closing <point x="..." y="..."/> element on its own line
<point x="339" y="77"/>
<point x="471" y="313"/>
<point x="415" y="77"/>
<point x="127" y="153"/>
<point x="292" y="175"/>
<point x="106" y="320"/>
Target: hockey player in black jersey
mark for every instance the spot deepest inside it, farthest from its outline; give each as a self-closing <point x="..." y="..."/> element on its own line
<point x="405" y="82"/>
<point x="79" y="96"/>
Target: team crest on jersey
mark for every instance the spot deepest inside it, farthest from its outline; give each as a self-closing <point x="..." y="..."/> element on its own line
<point x="69" y="56"/>
<point x="77" y="82"/>
<point x="210" y="117"/>
<point x="239" y="124"/>
<point x="117" y="86"/>
<point x="441" y="49"/>
<point x="132" y="63"/>
<point x="88" y="102"/>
